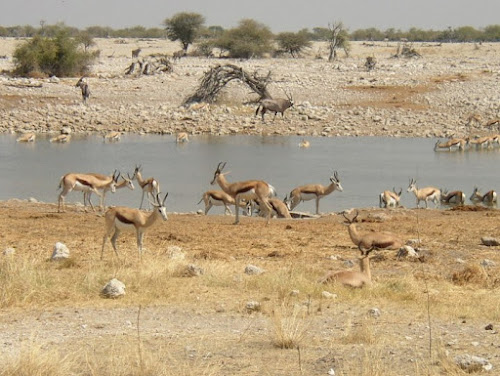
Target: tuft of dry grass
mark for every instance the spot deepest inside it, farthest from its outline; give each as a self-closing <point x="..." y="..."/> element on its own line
<point x="470" y="274"/>
<point x="290" y="326"/>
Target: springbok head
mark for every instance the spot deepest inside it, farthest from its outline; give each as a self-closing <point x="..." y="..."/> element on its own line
<point x="159" y="205"/>
<point x="412" y="186"/>
<point x="336" y="181"/>
<point x="218" y="172"/>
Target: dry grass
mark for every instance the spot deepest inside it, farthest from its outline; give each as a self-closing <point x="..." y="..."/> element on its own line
<point x="290" y="326"/>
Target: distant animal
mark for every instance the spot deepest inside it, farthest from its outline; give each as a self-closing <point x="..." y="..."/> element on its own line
<point x="135" y="53"/>
<point x="112" y="136"/>
<point x="219" y="198"/>
<point x="492" y="122"/>
<point x="460" y="143"/>
<point x="304" y="144"/>
<point x="390" y="199"/>
<point x="150" y="187"/>
<point x="62" y="138"/>
<point x="182" y="137"/>
<point x="453" y="197"/>
<point x="274" y="105"/>
<point x="27" y="137"/>
<point x="481" y="142"/>
<point x="84" y="86"/>
<point x="314" y="192"/>
<point x="489" y="198"/>
<point x="425" y="194"/>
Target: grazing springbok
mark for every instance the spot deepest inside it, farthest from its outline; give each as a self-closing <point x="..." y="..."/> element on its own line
<point x="247" y="190"/>
<point x="274" y="105"/>
<point x="378" y="239"/>
<point x="279" y="208"/>
<point x="149" y="186"/>
<point x="122" y="218"/>
<point x="84" y="86"/>
<point x="112" y="136"/>
<point x="390" y="199"/>
<point x="453" y="197"/>
<point x="219" y="198"/>
<point x="304" y="144"/>
<point x="481" y="142"/>
<point x="61" y="139"/>
<point x="126" y="182"/>
<point x="489" y="198"/>
<point x="459" y="143"/>
<point x="314" y="191"/>
<point x="182" y="137"/>
<point x="27" y="137"/>
<point x="353" y="278"/>
<point x="86" y="183"/>
<point x="424" y="194"/>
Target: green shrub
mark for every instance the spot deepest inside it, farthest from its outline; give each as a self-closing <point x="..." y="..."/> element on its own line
<point x="59" y="56"/>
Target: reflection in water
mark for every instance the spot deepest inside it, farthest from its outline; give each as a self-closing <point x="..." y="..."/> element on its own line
<point x="366" y="166"/>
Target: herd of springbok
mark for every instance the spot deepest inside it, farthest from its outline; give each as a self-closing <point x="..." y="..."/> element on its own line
<point x="477" y="143"/>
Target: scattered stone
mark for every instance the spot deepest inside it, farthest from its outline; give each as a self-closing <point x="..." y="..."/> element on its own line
<point x="488" y="327"/>
<point x="348" y="263"/>
<point x="374" y="312"/>
<point x="328" y="295"/>
<point x="174" y="252"/>
<point x="253" y="270"/>
<point x="407" y="251"/>
<point x="194" y="271"/>
<point x="486" y="263"/>
<point x="60" y="252"/>
<point x="253" y="306"/>
<point x="472" y="363"/>
<point x="66" y="130"/>
<point x="413" y="242"/>
<point x="489" y="241"/>
<point x="33" y="200"/>
<point x="8" y="251"/>
<point x="113" y="289"/>
<point x="294" y="293"/>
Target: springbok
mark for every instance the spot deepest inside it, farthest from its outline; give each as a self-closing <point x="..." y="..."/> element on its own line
<point x="390" y="199"/>
<point x="126" y="182"/>
<point x="219" y="198"/>
<point x="182" y="137"/>
<point x="122" y="218"/>
<point x="460" y="143"/>
<point x="314" y="191"/>
<point x="481" y="142"/>
<point x="453" y="197"/>
<point x="489" y="198"/>
<point x="84" y="86"/>
<point x="353" y="278"/>
<point x="279" y="208"/>
<point x="247" y="190"/>
<point x="112" y="136"/>
<point x="62" y="138"/>
<point x="304" y="144"/>
<point x="274" y="105"/>
<point x="86" y="183"/>
<point x="379" y="240"/>
<point x="424" y="194"/>
<point x="150" y="186"/>
<point x="27" y="137"/>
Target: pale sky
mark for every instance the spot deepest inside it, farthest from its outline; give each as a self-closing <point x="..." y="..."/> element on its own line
<point x="279" y="15"/>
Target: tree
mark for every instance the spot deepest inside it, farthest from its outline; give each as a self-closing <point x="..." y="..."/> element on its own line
<point x="337" y="38"/>
<point x="249" y="39"/>
<point x="184" y="27"/>
<point x="294" y="43"/>
<point x="85" y="39"/>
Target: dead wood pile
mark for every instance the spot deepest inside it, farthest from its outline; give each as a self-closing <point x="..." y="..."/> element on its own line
<point x="150" y="65"/>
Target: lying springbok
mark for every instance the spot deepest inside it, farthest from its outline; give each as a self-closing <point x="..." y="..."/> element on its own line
<point x="274" y="105"/>
<point x="379" y="240"/>
<point x="84" y="86"/>
<point x="460" y="143"/>
<point x="112" y="136"/>
<point x="247" y="190"/>
<point x="27" y="137"/>
<point x="425" y="194"/>
<point x="182" y="137"/>
<point x="149" y="186"/>
<point x="62" y="138"/>
<point x="86" y="183"/>
<point x="390" y="199"/>
<point x="279" y="208"/>
<point x="126" y="182"/>
<point x="489" y="198"/>
<point x="353" y="278"/>
<point x="314" y="191"/>
<point x="122" y="218"/>
<point x="453" y="197"/>
<point x="219" y="198"/>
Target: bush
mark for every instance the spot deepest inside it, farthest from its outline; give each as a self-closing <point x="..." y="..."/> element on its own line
<point x="58" y="56"/>
<point x="293" y="43"/>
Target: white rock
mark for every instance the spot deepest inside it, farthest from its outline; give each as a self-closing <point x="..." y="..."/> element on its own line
<point x="175" y="253"/>
<point x="253" y="270"/>
<point x="472" y="363"/>
<point x="113" y="289"/>
<point x="253" y="306"/>
<point x="60" y="252"/>
<point x="8" y="251"/>
<point x="328" y="295"/>
<point x="374" y="312"/>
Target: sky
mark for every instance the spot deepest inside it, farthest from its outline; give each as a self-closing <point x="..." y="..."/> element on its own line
<point x="279" y="15"/>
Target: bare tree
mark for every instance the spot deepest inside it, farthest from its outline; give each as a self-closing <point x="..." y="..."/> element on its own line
<point x="337" y="38"/>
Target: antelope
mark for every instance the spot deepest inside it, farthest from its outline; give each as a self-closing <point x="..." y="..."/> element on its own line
<point x="314" y="191"/>
<point x="461" y="143"/>
<point x="481" y="141"/>
<point x="182" y="137"/>
<point x="424" y="194"/>
<point x="27" y="137"/>
<point x="279" y="208"/>
<point x="122" y="218"/>
<point x="84" y="86"/>
<point x="62" y="138"/>
<point x="150" y="186"/>
<point x="218" y="198"/>
<point x="492" y="122"/>
<point x="135" y="53"/>
<point x="126" y="182"/>
<point x="489" y="198"/>
<point x="388" y="199"/>
<point x="353" y="278"/>
<point x="86" y="183"/>
<point x="369" y="240"/>
<point x="112" y="136"/>
<point x="474" y="118"/>
<point x="274" y="105"/>
<point x="304" y="144"/>
<point x="453" y="197"/>
<point x="248" y="190"/>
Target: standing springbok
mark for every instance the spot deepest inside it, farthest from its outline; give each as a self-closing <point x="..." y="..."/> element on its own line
<point x="379" y="240"/>
<point x="182" y="137"/>
<point x="84" y="86"/>
<point x="460" y="143"/>
<point x="149" y="186"/>
<point x="247" y="190"/>
<point x="452" y="198"/>
<point x="27" y="137"/>
<point x="274" y="105"/>
<point x="126" y="182"/>
<point x="353" y="278"/>
<point x="424" y="194"/>
<point x="86" y="183"/>
<point x="122" y="218"/>
<point x="390" y="199"/>
<point x="489" y="198"/>
<point x="314" y="191"/>
<point x="219" y="198"/>
<point x="112" y="136"/>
